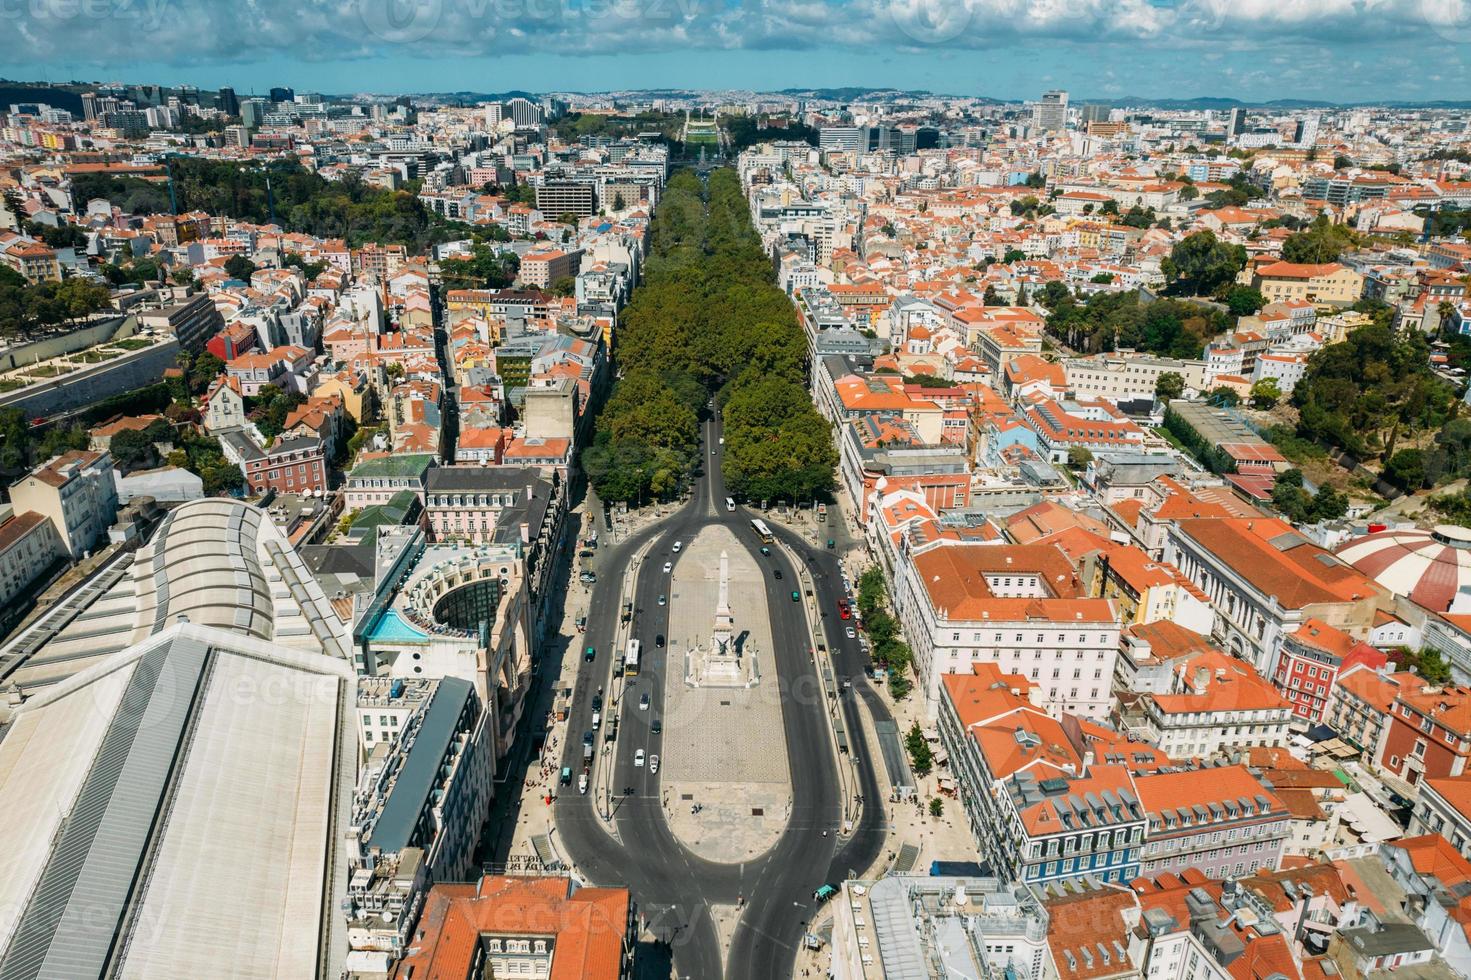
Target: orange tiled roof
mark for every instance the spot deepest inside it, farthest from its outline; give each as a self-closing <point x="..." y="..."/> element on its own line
<point x="587" y="924"/>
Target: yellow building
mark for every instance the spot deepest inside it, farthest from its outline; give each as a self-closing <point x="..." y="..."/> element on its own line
<point x="1326" y="284"/>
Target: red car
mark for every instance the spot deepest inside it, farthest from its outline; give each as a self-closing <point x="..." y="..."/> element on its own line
<point x="844" y="611"/>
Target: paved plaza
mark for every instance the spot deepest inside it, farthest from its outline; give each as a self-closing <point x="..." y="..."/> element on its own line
<point x="724" y="745"/>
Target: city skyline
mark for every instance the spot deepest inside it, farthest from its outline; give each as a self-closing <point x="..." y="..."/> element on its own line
<point x="1397" y="50"/>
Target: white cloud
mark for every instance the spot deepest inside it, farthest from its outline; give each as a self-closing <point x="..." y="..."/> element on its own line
<point x="195" y="31"/>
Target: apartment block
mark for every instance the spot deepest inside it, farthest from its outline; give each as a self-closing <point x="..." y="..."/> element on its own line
<point x="76" y="492"/>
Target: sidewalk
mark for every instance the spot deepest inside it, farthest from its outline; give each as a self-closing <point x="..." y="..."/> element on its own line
<point x="531" y="814"/>
<point x="946" y="838"/>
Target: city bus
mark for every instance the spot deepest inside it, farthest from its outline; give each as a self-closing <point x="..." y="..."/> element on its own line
<point x="630" y="660"/>
<point x="762" y="531"/>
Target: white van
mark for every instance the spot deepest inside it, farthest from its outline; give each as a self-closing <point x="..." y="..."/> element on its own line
<point x="730" y="503"/>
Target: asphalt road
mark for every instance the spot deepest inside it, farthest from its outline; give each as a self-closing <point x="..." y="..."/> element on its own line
<point x="672" y="886"/>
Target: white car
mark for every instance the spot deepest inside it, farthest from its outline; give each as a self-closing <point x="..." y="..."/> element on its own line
<point x="638" y="758"/>
<point x="654" y="764"/>
<point x="582" y="783"/>
<point x="662" y="600"/>
<point x="643" y="701"/>
<point x="852" y="633"/>
<point x="677" y="546"/>
<point x="668" y="567"/>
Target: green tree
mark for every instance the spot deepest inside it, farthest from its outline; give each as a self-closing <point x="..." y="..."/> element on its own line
<point x="1290" y="499"/>
<point x="1244" y="301"/>
<point x="132" y="448"/>
<point x="937" y="807"/>
<point x="1169" y="385"/>
<point x="1224" y="396"/>
<point x="485" y="268"/>
<point x="240" y="267"/>
<point x="921" y="756"/>
<point x="1013" y="255"/>
<point x="1321" y="242"/>
<point x="1202" y="264"/>
<point x="1078" y="457"/>
<point x="224" y="478"/>
<point x="1406" y="470"/>
<point x="1328" y="505"/>
<point x="1265" y="393"/>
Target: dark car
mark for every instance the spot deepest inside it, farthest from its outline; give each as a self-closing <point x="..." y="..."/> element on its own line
<point x="659" y="640"/>
<point x="597" y="702"/>
<point x="587" y="737"/>
<point x="776" y="573"/>
<point x="657" y="726"/>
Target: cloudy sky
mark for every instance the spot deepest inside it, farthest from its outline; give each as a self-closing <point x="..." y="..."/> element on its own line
<point x="1343" y="50"/>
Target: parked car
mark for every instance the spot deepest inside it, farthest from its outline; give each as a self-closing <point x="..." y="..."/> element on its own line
<point x="582" y="783"/>
<point x="653" y="765"/>
<point x="566" y="775"/>
<point x="657" y="726"/>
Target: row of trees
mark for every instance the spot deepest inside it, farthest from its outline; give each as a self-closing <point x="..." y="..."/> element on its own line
<point x="302" y="201"/>
<point x="26" y="307"/>
<point x="708" y="318"/>
<point x="888" y="650"/>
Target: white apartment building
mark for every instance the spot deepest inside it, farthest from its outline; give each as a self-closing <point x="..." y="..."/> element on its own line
<point x="28" y="545"/>
<point x="1126" y="376"/>
<point x="1286" y="367"/>
<point x="77" y="492"/>
<point x="1017" y="606"/>
<point x="1214" y="704"/>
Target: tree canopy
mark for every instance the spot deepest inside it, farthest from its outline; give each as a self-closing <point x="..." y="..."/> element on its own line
<point x="1201" y="264"/>
<point x="1321" y="242"/>
<point x="708" y="317"/>
<point x="302" y="201"/>
<point x="1111" y="320"/>
<point x="1363" y="393"/>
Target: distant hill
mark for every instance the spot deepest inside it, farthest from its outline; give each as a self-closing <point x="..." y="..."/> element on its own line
<point x="68" y="97"/>
<point x="850" y="93"/>
<point x="1218" y="103"/>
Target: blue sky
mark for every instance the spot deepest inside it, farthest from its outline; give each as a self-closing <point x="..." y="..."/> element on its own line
<point x="1343" y="50"/>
